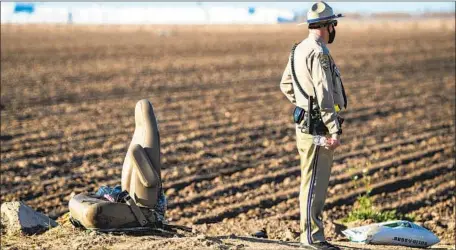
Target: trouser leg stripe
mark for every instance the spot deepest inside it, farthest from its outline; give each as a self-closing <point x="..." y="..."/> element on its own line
<point x="309" y="196"/>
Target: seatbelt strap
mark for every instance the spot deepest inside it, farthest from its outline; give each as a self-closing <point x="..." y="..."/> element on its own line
<point x="171" y="227"/>
<point x="136" y="210"/>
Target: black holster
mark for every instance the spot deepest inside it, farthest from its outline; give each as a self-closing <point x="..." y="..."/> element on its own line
<point x="317" y="126"/>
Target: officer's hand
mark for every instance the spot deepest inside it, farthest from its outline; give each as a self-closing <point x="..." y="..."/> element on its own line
<point x="332" y="143"/>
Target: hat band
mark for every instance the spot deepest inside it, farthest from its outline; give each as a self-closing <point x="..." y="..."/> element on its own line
<point x="323" y="18"/>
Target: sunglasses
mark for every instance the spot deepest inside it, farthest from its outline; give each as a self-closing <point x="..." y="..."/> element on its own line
<point x="319" y="25"/>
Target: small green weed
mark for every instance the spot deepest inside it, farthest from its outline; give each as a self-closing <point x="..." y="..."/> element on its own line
<point x="364" y="208"/>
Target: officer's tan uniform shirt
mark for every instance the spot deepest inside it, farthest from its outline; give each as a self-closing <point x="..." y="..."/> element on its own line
<point x="315" y="67"/>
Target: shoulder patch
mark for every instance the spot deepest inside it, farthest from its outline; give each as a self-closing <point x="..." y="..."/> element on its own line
<point x="324" y="60"/>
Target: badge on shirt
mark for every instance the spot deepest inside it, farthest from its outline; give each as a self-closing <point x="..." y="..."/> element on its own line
<point x="324" y="61"/>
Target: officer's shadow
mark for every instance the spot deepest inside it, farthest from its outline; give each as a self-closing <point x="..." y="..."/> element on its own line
<point x="259" y="240"/>
<point x="292" y="244"/>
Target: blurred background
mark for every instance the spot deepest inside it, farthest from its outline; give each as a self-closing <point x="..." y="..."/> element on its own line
<point x="71" y="74"/>
<point x="203" y="12"/>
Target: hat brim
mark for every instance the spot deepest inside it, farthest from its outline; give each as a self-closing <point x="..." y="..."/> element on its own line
<point x="321" y="20"/>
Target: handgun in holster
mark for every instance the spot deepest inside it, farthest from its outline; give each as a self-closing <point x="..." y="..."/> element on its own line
<point x="300" y="115"/>
<point x="310" y="117"/>
<point x="313" y="123"/>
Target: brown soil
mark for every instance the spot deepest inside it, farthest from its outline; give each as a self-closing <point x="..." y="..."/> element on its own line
<point x="228" y="142"/>
<point x="205" y="236"/>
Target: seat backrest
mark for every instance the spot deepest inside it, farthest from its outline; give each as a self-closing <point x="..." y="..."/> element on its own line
<point x="147" y="135"/>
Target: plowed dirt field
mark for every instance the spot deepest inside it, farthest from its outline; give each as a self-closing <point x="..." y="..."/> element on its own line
<point x="228" y="141"/>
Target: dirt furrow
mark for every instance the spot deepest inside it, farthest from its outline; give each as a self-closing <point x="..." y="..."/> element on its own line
<point x="280" y="196"/>
<point x="382" y="187"/>
<point x="280" y="174"/>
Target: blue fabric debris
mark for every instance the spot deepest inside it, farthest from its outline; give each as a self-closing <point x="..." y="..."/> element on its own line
<point x="112" y="194"/>
<point x="162" y="203"/>
<point x="116" y="195"/>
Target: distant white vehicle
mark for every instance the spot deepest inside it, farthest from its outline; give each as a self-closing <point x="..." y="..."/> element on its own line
<point x="400" y="232"/>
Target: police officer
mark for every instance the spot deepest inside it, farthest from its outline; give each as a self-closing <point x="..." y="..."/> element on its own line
<point x="311" y="78"/>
